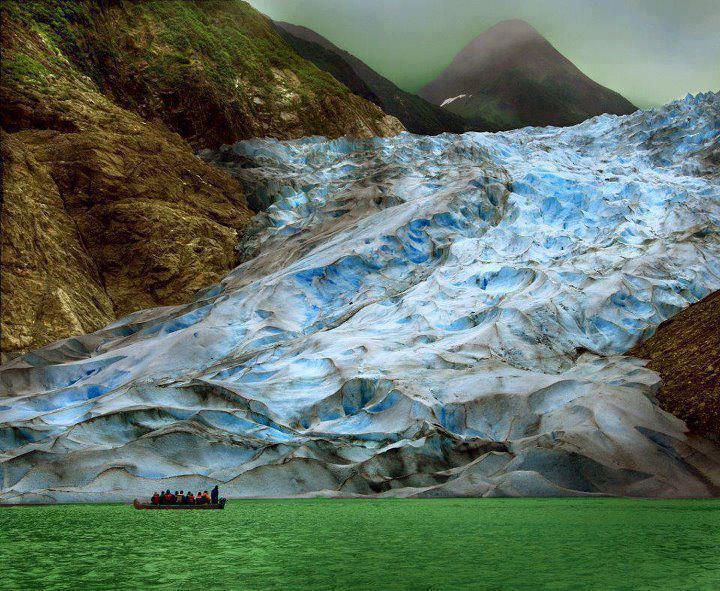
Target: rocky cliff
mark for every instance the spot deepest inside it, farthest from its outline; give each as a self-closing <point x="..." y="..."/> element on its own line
<point x="685" y="351"/>
<point x="106" y="208"/>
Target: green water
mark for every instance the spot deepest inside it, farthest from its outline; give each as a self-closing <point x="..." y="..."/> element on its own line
<point x="383" y="545"/>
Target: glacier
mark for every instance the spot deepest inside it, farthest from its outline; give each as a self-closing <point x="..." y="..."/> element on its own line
<point x="413" y="316"/>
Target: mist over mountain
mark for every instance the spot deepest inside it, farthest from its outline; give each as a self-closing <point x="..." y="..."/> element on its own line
<point x="415" y="113"/>
<point x="512" y="76"/>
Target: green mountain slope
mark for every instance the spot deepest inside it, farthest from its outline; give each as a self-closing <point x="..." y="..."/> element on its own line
<point x="415" y="113"/>
<point x="215" y="71"/>
<point x="106" y="209"/>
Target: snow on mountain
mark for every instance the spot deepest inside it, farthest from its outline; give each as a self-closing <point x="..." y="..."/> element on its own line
<point x="447" y="101"/>
<point x="416" y="316"/>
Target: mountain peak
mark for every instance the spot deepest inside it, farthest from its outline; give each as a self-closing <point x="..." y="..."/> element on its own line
<point x="513" y="26"/>
<point x="503" y="45"/>
<point x="511" y="74"/>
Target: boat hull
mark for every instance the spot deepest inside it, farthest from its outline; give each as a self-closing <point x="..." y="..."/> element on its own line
<point x="209" y="507"/>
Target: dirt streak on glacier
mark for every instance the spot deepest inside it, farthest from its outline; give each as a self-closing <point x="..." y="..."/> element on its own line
<point x="425" y="316"/>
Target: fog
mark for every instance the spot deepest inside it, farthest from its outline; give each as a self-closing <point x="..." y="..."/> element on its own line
<point x="651" y="51"/>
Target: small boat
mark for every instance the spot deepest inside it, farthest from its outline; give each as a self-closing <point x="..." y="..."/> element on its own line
<point x="219" y="505"/>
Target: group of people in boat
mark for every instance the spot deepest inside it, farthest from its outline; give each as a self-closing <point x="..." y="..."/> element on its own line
<point x="183" y="498"/>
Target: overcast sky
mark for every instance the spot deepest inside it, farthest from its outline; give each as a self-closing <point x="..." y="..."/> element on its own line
<point x="651" y="51"/>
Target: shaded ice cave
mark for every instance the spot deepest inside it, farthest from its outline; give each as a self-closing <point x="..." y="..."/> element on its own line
<point x="414" y="316"/>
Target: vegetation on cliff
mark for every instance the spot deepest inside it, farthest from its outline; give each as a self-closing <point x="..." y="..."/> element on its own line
<point x="103" y="212"/>
<point x="214" y="71"/>
<point x="107" y="210"/>
<point x="415" y="113"/>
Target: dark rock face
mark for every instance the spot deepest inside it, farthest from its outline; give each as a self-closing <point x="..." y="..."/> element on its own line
<point x="685" y="351"/>
<point x="103" y="213"/>
<point x="416" y="114"/>
<point x="50" y="284"/>
<point x="513" y="77"/>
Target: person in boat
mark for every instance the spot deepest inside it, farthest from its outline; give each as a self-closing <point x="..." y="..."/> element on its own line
<point x="190" y="498"/>
<point x="206" y="496"/>
<point x="214" y="493"/>
<point x="168" y="497"/>
<point x="155" y="500"/>
<point x="180" y="498"/>
<point x="200" y="499"/>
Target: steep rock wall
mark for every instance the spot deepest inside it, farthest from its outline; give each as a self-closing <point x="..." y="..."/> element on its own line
<point x="103" y="212"/>
<point x="128" y="216"/>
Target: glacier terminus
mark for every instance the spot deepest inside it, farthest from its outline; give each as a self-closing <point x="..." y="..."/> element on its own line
<point x="413" y="316"/>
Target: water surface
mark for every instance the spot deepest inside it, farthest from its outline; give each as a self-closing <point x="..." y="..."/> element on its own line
<point x="317" y="544"/>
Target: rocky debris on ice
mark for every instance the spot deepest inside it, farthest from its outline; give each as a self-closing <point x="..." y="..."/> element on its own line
<point x="415" y="316"/>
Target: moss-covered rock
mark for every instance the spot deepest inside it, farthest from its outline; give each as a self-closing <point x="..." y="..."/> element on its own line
<point x="107" y="210"/>
<point x="103" y="212"/>
<point x="214" y="71"/>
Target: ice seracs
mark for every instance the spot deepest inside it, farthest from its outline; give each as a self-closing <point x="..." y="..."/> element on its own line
<point x="415" y="316"/>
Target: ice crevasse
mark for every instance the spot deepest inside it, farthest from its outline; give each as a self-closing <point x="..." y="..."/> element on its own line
<point x="414" y="316"/>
